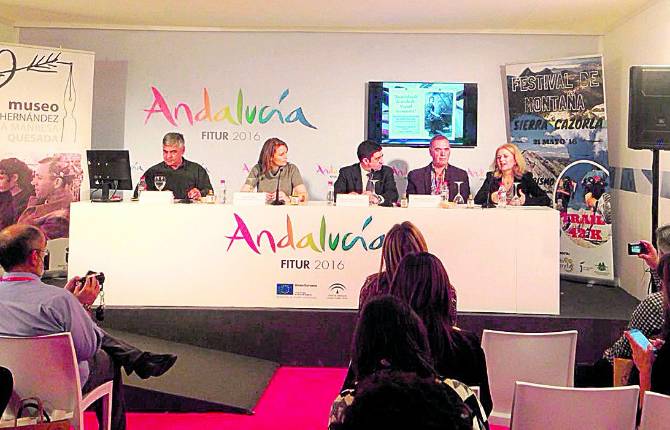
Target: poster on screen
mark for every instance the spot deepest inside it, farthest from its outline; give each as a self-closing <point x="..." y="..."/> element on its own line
<point x="557" y="118"/>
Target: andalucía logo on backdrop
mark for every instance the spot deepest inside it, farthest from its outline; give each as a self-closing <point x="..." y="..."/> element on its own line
<point x="239" y="114"/>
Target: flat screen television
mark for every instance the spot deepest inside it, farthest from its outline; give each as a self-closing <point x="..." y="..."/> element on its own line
<point x="108" y="170"/>
<point x="411" y="113"/>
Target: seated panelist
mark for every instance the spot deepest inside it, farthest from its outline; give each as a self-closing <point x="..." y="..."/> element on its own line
<point x="509" y="167"/>
<point x="273" y="166"/>
<point x="358" y="178"/>
<point x="186" y="179"/>
<point x="430" y="179"/>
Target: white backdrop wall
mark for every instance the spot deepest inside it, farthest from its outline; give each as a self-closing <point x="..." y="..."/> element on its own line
<point x="642" y="40"/>
<point x="326" y="74"/>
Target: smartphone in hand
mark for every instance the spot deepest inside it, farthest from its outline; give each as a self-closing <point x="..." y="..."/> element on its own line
<point x="639" y="338"/>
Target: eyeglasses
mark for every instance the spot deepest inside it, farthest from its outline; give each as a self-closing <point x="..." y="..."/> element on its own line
<point x="40" y="250"/>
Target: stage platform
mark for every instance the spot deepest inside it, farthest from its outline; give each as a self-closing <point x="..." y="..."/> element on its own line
<point x="312" y="337"/>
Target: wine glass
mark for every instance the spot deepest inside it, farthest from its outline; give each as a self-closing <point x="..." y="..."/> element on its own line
<point x="458" y="199"/>
<point x="373" y="188"/>
<point x="515" y="198"/>
<point x="159" y="182"/>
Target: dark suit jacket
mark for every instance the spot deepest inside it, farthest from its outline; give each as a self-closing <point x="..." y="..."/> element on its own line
<point x="535" y="196"/>
<point x="418" y="181"/>
<point x="350" y="180"/>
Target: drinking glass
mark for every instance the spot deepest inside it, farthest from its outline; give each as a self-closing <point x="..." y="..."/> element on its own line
<point x="374" y="190"/>
<point x="159" y="182"/>
<point x="458" y="199"/>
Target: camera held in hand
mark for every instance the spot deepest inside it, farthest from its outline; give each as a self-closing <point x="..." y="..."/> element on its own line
<point x="637" y="248"/>
<point x="99" y="276"/>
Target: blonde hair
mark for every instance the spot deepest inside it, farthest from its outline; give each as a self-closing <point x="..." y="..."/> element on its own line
<point x="520" y="163"/>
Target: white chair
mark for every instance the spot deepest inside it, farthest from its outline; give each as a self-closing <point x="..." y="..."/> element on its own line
<point x="46" y="367"/>
<point x="559" y="408"/>
<point x="542" y="358"/>
<point x="655" y="411"/>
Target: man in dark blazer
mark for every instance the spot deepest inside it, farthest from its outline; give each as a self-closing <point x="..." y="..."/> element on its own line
<point x="429" y="179"/>
<point x="354" y="179"/>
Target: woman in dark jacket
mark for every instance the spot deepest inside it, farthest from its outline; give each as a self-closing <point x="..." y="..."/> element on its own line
<point x="422" y="282"/>
<point x="653" y="363"/>
<point x="509" y="167"/>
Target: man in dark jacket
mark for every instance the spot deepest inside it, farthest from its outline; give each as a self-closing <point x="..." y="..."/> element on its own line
<point x="359" y="177"/>
<point x="439" y="173"/>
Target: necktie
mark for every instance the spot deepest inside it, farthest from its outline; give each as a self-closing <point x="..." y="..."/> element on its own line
<point x="369" y="185"/>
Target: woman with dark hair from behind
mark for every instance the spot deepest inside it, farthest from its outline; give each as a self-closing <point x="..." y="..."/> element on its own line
<point x="653" y="363"/>
<point x="6" y="386"/>
<point x="401" y="239"/>
<point x="389" y="336"/>
<point x="422" y="282"/>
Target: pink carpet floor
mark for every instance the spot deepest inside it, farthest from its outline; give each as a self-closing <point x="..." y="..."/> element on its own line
<point x="298" y="398"/>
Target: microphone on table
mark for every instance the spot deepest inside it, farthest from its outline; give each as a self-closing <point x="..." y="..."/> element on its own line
<point x="276" y="201"/>
<point x="489" y="203"/>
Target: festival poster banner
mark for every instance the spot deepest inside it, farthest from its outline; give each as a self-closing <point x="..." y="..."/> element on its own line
<point x="556" y="112"/>
<point x="45" y="126"/>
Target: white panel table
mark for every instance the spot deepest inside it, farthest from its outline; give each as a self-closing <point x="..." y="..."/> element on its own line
<point x="499" y="260"/>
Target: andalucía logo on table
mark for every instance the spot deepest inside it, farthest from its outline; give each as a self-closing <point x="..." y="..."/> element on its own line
<point x="326" y="240"/>
<point x="240" y="114"/>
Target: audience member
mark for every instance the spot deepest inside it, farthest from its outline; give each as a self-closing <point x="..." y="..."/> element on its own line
<point x="653" y="363"/>
<point x="273" y="167"/>
<point x="648" y="317"/>
<point x="422" y="282"/>
<point x="389" y="336"/>
<point x="28" y="307"/>
<point x="401" y="239"/>
<point x="400" y="400"/>
<point x="6" y="387"/>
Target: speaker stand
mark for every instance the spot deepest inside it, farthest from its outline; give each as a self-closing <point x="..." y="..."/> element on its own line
<point x="655" y="181"/>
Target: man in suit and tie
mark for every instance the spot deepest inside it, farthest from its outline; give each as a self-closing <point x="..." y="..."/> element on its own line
<point x="438" y="173"/>
<point x="357" y="178"/>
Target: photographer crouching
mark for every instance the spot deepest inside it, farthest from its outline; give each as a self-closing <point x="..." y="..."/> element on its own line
<point x="29" y="307"/>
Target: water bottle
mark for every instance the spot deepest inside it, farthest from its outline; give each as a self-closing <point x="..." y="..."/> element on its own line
<point x="444" y="192"/>
<point x="221" y="192"/>
<point x="330" y="196"/>
<point x="142" y="186"/>
<point x="502" y="196"/>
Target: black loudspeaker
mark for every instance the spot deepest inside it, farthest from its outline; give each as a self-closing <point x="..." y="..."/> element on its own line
<point x="649" y="108"/>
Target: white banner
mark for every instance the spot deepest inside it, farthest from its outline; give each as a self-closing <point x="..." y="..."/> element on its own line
<point x="45" y="125"/>
<point x="312" y="256"/>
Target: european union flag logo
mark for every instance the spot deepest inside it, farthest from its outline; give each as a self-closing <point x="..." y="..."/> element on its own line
<point x="285" y="289"/>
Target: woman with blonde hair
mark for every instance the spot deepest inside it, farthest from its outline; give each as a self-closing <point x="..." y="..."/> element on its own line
<point x="401" y="239"/>
<point x="273" y="166"/>
<point x="509" y="167"/>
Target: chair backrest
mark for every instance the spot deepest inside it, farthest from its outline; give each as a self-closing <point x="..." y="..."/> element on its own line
<point x="558" y="408"/>
<point x="542" y="358"/>
<point x="44" y="367"/>
<point x="655" y="411"/>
